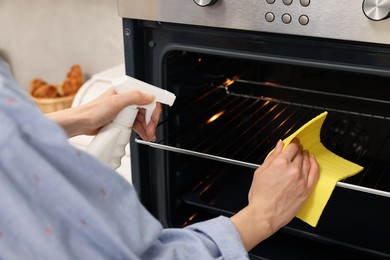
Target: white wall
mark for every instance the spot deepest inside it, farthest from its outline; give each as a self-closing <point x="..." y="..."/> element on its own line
<point x="44" y="38"/>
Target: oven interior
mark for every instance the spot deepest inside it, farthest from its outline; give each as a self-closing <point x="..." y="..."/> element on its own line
<point x="229" y="113"/>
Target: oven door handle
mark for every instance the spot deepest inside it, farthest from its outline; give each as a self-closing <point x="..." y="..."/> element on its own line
<point x="198" y="154"/>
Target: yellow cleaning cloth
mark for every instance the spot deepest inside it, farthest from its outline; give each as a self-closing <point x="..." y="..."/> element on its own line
<point x="333" y="168"/>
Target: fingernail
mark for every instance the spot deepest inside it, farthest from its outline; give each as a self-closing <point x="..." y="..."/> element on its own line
<point x="280" y="144"/>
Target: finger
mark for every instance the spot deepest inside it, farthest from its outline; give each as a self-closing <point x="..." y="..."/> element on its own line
<point x="147" y="132"/>
<point x="141" y="132"/>
<point x="157" y="113"/>
<point x="151" y="127"/>
<point x="108" y="92"/>
<point x="134" y="97"/>
<point x="292" y="149"/>
<point x="276" y="151"/>
<point x="298" y="159"/>
<point x="313" y="172"/>
<point x="104" y="95"/>
<point x="151" y="131"/>
<point x="140" y="125"/>
<point x="141" y="114"/>
<point x="305" y="165"/>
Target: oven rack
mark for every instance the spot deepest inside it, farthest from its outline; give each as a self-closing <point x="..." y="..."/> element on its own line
<point x="244" y="119"/>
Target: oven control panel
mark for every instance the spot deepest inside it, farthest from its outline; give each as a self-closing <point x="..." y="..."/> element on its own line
<point x="353" y="20"/>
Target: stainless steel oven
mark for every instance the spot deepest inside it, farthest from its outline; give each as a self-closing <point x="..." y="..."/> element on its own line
<point x="247" y="73"/>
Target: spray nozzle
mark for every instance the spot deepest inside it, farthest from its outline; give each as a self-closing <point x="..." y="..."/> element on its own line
<point x="126" y="83"/>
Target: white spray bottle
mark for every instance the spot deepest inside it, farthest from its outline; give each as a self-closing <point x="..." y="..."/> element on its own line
<point x="109" y="144"/>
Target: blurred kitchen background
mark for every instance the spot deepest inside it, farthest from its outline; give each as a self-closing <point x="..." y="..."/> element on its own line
<point x="44" y="38"/>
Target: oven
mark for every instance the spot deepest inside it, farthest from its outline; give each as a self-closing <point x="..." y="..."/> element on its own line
<point x="247" y="73"/>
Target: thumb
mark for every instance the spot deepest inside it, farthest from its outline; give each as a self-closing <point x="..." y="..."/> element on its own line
<point x="134" y="97"/>
<point x="275" y="152"/>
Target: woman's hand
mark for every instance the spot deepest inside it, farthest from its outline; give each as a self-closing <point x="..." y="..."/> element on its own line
<point x="89" y="118"/>
<point x="279" y="188"/>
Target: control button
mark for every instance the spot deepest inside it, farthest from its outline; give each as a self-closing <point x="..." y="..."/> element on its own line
<point x="269" y="17"/>
<point x="286" y="18"/>
<point x="376" y="10"/>
<point x="270" y="1"/>
<point x="303" y="19"/>
<point x="205" y="2"/>
<point x="287" y="2"/>
<point x="305" y="2"/>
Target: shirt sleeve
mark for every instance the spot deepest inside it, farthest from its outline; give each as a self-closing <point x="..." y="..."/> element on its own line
<point x="58" y="202"/>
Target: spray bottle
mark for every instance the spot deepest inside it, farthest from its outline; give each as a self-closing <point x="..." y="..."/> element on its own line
<point x="109" y="144"/>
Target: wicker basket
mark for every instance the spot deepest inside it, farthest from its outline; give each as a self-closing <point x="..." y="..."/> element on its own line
<point x="47" y="105"/>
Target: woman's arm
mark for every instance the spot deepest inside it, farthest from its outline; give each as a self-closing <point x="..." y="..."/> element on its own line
<point x="89" y="118"/>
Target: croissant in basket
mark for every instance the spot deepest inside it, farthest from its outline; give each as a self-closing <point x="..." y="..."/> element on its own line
<point x="73" y="81"/>
<point x="41" y="89"/>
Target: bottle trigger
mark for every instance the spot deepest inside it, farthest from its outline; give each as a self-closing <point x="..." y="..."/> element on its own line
<point x="149" y="111"/>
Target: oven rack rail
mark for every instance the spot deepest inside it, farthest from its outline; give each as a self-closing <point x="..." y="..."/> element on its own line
<point x="244" y="120"/>
<point x="250" y="165"/>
